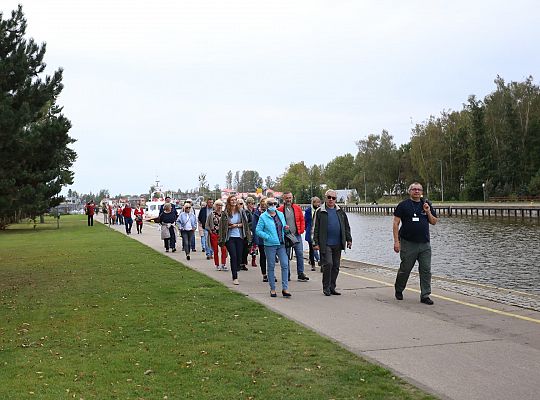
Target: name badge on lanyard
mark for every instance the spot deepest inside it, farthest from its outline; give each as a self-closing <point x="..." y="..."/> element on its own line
<point x="415" y="218"/>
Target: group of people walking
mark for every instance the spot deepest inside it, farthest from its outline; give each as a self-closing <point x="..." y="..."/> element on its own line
<point x="238" y="229"/>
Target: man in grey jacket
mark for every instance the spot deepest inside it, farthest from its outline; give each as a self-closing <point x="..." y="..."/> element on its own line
<point x="331" y="235"/>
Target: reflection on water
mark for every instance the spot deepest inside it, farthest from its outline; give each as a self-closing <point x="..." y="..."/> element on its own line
<point x="498" y="252"/>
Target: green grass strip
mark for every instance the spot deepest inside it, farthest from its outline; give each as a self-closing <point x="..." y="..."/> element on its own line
<point x="89" y="313"/>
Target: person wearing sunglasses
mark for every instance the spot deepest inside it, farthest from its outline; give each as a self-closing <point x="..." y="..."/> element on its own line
<point x="331" y="235"/>
<point x="271" y="228"/>
<point x="297" y="225"/>
<point x="411" y="241"/>
<point x="187" y="224"/>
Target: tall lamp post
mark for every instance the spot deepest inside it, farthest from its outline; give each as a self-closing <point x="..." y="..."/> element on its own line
<point x="365" y="188"/>
<point x="484" y="190"/>
<point x="442" y="184"/>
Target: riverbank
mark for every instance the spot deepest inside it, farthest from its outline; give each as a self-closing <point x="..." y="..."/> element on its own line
<point x="462" y="348"/>
<point x="89" y="313"/>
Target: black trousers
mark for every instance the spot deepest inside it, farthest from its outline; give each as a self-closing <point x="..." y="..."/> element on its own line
<point x="90" y="220"/>
<point x="330" y="258"/>
<point x="235" y="247"/>
<point x="245" y="253"/>
<point x="262" y="258"/>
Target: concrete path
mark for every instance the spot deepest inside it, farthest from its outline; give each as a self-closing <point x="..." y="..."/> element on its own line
<point x="460" y="348"/>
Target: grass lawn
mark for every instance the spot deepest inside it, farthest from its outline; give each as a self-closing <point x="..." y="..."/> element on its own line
<point x="89" y="313"/>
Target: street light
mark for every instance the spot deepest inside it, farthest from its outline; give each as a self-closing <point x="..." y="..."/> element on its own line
<point x="442" y="184"/>
<point x="484" y="190"/>
<point x="365" y="188"/>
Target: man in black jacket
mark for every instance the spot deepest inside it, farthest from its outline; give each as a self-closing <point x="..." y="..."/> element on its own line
<point x="331" y="235"/>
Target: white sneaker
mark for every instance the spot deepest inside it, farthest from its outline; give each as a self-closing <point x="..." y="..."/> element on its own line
<point x="224" y="268"/>
<point x="235" y="282"/>
<point x="218" y="267"/>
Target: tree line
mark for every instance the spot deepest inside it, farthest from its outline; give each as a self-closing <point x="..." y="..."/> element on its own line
<point x="490" y="148"/>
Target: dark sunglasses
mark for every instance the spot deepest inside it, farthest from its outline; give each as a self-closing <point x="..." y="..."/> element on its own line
<point x="331" y="197"/>
<point x="270" y="203"/>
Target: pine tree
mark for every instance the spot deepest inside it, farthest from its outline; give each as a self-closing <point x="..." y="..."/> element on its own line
<point x="33" y="132"/>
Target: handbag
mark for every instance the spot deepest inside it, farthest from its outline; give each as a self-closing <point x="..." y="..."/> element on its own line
<point x="165" y="232"/>
<point x="290" y="240"/>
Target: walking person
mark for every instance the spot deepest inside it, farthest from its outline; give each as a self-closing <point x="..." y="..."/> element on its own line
<point x="90" y="210"/>
<point x="411" y="241"/>
<point x="245" y="251"/>
<point x="205" y="234"/>
<point x="173" y="207"/>
<point x="252" y="247"/>
<point x="257" y="241"/>
<point x="271" y="228"/>
<point x="192" y="210"/>
<point x="139" y="215"/>
<point x="212" y="227"/>
<point x="331" y="235"/>
<point x="233" y="229"/>
<point x="112" y="215"/>
<point x="308" y="217"/>
<point x="119" y="215"/>
<point x="297" y="225"/>
<point x="167" y="220"/>
<point x="128" y="217"/>
<point x="187" y="223"/>
<point x="105" y="212"/>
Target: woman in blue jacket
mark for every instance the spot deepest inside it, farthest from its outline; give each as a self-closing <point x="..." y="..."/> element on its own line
<point x="271" y="230"/>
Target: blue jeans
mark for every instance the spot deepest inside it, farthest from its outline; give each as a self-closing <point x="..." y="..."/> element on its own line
<point x="203" y="242"/>
<point x="271" y="252"/>
<point x="206" y="245"/>
<point x="128" y="221"/>
<point x="299" y="252"/>
<point x="192" y="241"/>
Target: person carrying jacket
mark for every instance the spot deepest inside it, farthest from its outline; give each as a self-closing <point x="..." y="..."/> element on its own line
<point x="331" y="235"/>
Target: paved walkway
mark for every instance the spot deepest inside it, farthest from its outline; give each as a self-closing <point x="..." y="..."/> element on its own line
<point x="461" y="348"/>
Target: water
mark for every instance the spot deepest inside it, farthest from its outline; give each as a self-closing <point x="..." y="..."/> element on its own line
<point x="502" y="252"/>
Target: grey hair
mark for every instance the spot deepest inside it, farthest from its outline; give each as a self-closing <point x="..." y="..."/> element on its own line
<point x="330" y="191"/>
<point x="414" y="183"/>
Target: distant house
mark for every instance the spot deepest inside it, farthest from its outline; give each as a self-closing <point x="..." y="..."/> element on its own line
<point x="346" y="195"/>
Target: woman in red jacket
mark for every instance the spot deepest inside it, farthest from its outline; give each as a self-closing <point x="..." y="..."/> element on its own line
<point x="139" y="213"/>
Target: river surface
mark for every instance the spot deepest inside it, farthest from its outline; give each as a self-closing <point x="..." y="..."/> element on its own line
<point x="501" y="252"/>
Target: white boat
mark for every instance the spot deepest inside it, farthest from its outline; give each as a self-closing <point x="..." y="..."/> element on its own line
<point x="157" y="199"/>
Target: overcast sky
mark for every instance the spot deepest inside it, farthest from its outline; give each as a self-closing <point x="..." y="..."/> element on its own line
<point x="176" y="88"/>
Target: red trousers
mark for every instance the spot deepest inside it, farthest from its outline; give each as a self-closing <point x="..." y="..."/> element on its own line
<point x="214" y="238"/>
